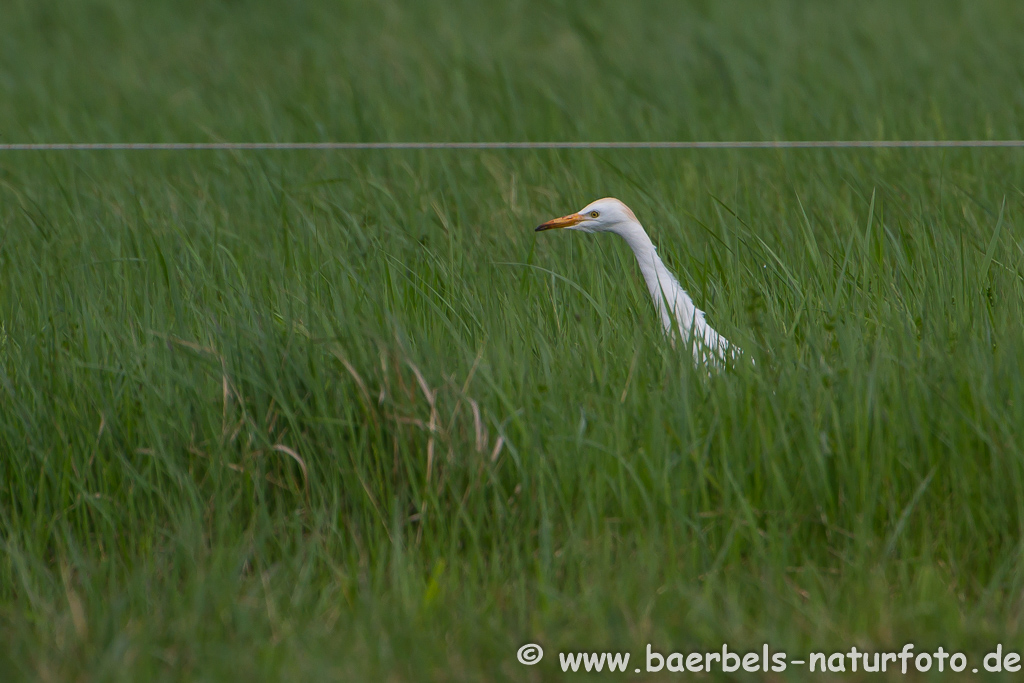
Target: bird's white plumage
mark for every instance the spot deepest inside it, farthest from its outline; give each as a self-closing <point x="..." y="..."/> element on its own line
<point x="679" y="316"/>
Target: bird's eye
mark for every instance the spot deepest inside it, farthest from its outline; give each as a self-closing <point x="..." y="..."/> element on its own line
<point x="594" y="214"/>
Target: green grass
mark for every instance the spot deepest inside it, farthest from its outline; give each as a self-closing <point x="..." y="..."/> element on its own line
<point x="345" y="416"/>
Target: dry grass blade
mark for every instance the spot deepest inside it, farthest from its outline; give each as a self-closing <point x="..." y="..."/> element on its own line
<point x="431" y="396"/>
<point x="281" y="448"/>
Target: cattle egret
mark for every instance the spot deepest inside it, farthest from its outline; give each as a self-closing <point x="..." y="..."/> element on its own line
<point x="674" y="305"/>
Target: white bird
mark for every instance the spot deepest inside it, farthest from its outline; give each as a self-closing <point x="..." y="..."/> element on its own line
<point x="674" y="305"/>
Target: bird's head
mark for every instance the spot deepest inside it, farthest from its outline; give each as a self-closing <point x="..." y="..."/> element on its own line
<point x="603" y="215"/>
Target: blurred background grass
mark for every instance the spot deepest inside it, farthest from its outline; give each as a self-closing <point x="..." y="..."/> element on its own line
<point x="345" y="416"/>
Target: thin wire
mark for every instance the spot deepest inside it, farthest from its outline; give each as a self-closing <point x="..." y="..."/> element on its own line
<point x="354" y="146"/>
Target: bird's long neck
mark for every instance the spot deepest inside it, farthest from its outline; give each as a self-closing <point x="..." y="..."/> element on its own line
<point x="673" y="304"/>
<point x="675" y="307"/>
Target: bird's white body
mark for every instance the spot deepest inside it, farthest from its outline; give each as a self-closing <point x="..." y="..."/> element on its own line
<point x="679" y="315"/>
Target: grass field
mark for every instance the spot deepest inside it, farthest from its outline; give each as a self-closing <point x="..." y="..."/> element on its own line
<point x="344" y="416"/>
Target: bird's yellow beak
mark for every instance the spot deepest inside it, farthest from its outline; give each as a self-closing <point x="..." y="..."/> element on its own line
<point x="563" y="222"/>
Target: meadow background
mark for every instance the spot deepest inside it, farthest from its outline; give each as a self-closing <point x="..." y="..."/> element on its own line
<point x="345" y="416"/>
